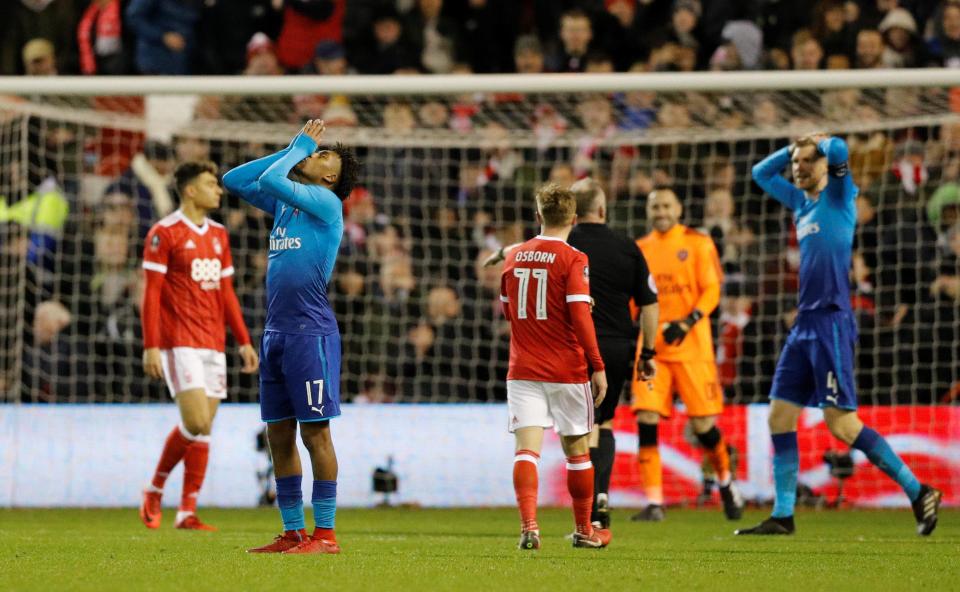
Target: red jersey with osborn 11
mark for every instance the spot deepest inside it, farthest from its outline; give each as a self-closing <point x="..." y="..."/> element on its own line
<point x="541" y="277"/>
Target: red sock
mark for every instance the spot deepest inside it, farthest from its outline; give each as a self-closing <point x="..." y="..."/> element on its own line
<point x="173" y="450"/>
<point x="194" y="470"/>
<point x="525" y="485"/>
<point x="580" y="486"/>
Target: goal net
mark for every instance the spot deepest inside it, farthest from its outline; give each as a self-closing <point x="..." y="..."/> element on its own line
<point x="448" y="179"/>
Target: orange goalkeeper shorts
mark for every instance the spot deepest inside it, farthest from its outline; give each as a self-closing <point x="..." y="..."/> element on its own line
<point x="695" y="382"/>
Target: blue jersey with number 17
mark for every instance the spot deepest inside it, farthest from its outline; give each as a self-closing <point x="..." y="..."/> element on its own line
<point x="825" y="225"/>
<point x="304" y="241"/>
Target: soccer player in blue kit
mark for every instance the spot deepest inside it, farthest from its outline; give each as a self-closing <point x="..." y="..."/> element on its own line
<point x="816" y="365"/>
<point x="303" y="187"/>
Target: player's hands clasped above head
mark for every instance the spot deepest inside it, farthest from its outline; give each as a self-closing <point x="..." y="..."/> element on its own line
<point x="251" y="361"/>
<point x="314" y="129"/>
<point x="151" y="362"/>
<point x="598" y="383"/>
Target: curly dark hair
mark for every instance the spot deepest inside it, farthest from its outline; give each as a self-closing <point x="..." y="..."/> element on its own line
<point x="349" y="170"/>
<point x="186" y="172"/>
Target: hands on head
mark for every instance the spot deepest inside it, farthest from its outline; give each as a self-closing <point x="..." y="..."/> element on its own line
<point x="314" y="129"/>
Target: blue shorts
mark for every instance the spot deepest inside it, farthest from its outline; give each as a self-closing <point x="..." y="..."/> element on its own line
<point x="299" y="376"/>
<point x="815" y="368"/>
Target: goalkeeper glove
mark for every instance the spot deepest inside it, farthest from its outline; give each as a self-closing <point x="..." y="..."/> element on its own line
<point x="676" y="331"/>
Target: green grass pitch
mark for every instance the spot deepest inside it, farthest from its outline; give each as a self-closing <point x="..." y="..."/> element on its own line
<point x="411" y="549"/>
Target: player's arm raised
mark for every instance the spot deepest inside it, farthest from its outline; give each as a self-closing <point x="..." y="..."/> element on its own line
<point x="315" y="200"/>
<point x="839" y="180"/>
<point x="767" y="174"/>
<point x="242" y="181"/>
<point x="234" y="316"/>
<point x="499" y="255"/>
<point x="578" y="302"/>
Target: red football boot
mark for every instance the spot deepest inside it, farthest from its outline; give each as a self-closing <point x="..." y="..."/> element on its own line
<point x="150" y="512"/>
<point x="191" y="522"/>
<point x="313" y="545"/>
<point x="599" y="539"/>
<point x="283" y="542"/>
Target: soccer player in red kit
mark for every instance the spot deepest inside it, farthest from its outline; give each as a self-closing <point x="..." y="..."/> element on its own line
<point x="189" y="293"/>
<point x="545" y="293"/>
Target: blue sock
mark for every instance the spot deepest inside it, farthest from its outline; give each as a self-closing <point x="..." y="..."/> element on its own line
<point x="324" y="503"/>
<point x="290" y="501"/>
<point x="786" y="465"/>
<point x="880" y="454"/>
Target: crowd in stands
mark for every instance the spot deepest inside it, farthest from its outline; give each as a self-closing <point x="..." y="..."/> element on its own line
<point x="419" y="314"/>
<point x="108" y="37"/>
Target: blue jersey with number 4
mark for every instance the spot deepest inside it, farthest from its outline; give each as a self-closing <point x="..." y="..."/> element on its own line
<point x="824" y="225"/>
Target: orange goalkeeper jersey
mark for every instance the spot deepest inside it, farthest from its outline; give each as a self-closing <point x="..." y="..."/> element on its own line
<point x="686" y="268"/>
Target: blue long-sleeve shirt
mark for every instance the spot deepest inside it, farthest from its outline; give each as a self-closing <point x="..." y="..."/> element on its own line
<point x="825" y="225"/>
<point x="304" y="240"/>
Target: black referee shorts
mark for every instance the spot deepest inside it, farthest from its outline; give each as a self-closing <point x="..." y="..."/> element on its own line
<point x="618" y="357"/>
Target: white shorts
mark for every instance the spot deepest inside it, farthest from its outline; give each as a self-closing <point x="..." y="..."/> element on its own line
<point x="188" y="368"/>
<point x="567" y="408"/>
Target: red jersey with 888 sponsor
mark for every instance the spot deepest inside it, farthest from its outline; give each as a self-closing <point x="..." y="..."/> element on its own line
<point x="193" y="260"/>
<point x="540" y="278"/>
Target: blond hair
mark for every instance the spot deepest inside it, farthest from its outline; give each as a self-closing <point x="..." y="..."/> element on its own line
<point x="556" y="205"/>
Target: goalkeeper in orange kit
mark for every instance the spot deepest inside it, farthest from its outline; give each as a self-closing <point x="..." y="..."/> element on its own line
<point x="686" y="268"/>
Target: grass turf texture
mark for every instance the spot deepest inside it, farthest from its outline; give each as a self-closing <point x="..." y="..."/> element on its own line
<point x="406" y="549"/>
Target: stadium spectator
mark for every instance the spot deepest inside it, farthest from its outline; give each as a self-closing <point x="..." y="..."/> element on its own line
<point x="384" y="49"/>
<point x="947" y="283"/>
<point x="592" y="155"/>
<point x="837" y="61"/>
<point x="637" y="109"/>
<point x="766" y="114"/>
<point x="53" y="20"/>
<point x="870" y="49"/>
<point x="742" y="47"/>
<point x="488" y="32"/>
<point x="434" y="115"/>
<point x="305" y="24"/>
<point x="48" y="353"/>
<point x="528" y="55"/>
<point x="831" y="29"/>
<point x="736" y="312"/>
<point x="188" y="145"/>
<point x="904" y="48"/>
<point x="944" y="46"/>
<point x="225" y="29"/>
<point x="261" y="57"/>
<point x="100" y="39"/>
<point x="39" y="58"/>
<point x="166" y="34"/>
<point x="684" y="27"/>
<point x="145" y="182"/>
<point x="561" y="174"/>
<point x="433" y="37"/>
<point x="329" y="59"/>
<point x="575" y="36"/>
<point x="598" y="62"/>
<point x="806" y="53"/>
<point x="623" y="33"/>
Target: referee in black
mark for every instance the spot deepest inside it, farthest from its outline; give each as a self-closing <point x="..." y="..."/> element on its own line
<point x="618" y="273"/>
